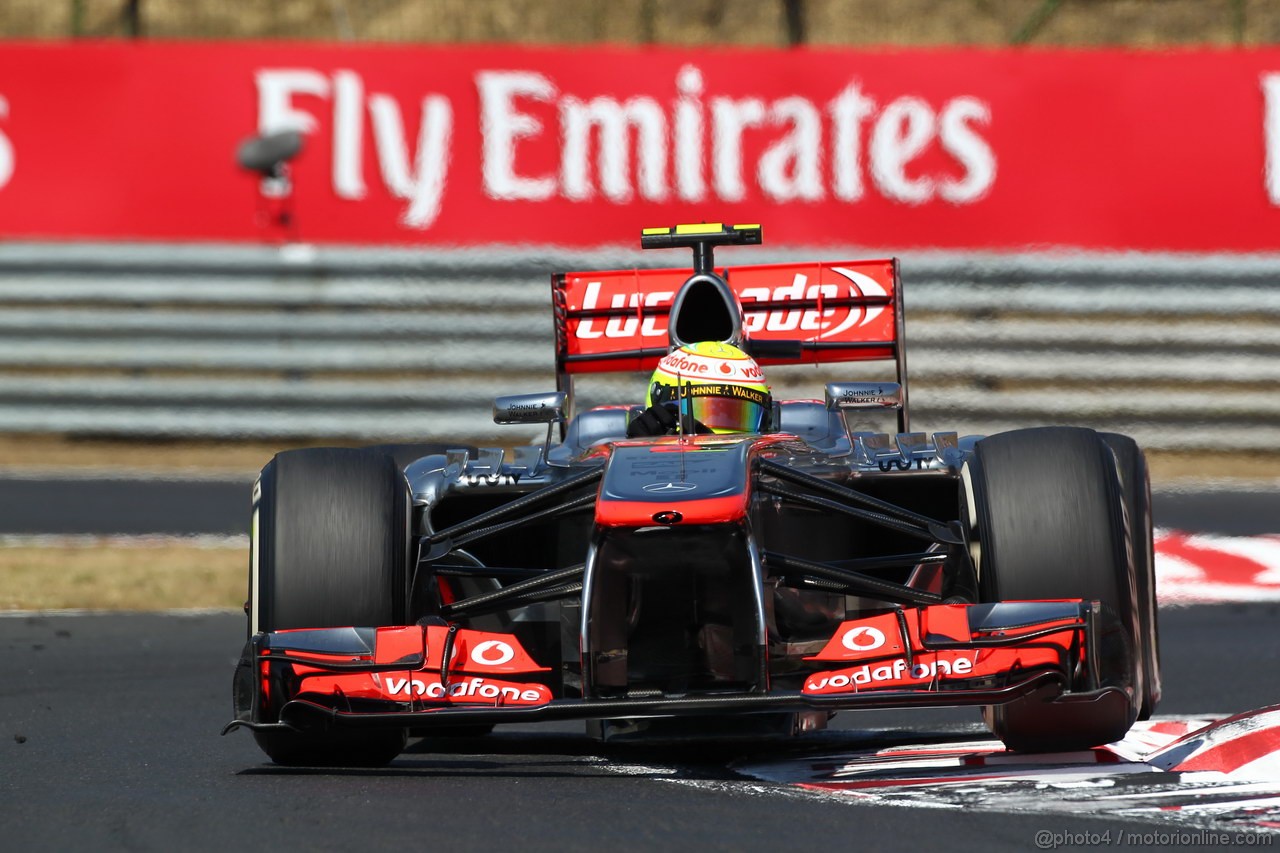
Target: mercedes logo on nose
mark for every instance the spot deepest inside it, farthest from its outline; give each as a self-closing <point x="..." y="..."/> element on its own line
<point x="669" y="488"/>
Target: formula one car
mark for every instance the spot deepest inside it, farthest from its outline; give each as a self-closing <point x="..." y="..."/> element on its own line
<point x="701" y="581"/>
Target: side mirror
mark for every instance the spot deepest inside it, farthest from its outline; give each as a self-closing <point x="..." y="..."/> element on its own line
<point x="843" y="396"/>
<point x="548" y="408"/>
<point x="849" y="399"/>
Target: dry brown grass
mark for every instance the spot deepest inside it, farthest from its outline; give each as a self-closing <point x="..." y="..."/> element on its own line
<point x="243" y="458"/>
<point x="1142" y="23"/>
<point x="234" y="459"/>
<point x="116" y="576"/>
<point x="1169" y="467"/>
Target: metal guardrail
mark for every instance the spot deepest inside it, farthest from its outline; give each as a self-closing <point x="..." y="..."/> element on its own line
<point x="206" y="341"/>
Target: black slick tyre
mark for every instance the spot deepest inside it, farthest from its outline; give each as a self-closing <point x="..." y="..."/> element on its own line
<point x="1135" y="487"/>
<point x="1045" y="513"/>
<point x="330" y="548"/>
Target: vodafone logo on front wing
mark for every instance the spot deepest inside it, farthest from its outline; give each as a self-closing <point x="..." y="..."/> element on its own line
<point x="479" y="651"/>
<point x="467" y="689"/>
<point x="862" y="639"/>
<point x="891" y="672"/>
<point x="492" y="653"/>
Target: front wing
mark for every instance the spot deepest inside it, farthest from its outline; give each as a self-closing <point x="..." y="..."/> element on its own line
<point x="939" y="655"/>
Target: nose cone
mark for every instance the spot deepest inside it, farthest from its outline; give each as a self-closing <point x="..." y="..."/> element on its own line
<point x="705" y="480"/>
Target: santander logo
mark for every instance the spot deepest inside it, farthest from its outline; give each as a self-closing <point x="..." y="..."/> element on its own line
<point x="810" y="323"/>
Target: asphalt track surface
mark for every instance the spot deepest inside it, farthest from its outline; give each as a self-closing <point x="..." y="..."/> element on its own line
<point x="110" y="742"/>
<point x="109" y="737"/>
<point x="70" y="504"/>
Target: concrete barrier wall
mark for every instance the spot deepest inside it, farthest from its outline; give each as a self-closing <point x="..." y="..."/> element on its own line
<point x="1181" y="352"/>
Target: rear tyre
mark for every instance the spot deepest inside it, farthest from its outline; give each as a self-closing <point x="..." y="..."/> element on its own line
<point x="1045" y="514"/>
<point x="330" y="549"/>
<point x="1135" y="487"/>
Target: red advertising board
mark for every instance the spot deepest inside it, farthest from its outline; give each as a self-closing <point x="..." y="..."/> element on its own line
<point x="441" y="147"/>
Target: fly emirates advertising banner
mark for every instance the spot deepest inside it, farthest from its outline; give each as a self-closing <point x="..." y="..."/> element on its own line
<point x="448" y="147"/>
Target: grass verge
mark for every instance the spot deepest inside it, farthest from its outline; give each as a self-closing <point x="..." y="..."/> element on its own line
<point x="114" y="576"/>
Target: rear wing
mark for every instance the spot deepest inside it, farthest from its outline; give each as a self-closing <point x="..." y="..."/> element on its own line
<point x="617" y="321"/>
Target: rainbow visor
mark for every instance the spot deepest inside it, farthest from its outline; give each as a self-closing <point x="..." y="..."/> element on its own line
<point x="721" y="408"/>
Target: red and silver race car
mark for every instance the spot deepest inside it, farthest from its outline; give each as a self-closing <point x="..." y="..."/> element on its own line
<point x="761" y="580"/>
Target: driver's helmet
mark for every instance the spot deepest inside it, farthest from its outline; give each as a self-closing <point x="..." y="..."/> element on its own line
<point x="720" y="386"/>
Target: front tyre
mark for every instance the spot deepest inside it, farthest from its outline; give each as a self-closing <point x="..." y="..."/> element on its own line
<point x="330" y="548"/>
<point x="1135" y="487"/>
<point x="1047" y="521"/>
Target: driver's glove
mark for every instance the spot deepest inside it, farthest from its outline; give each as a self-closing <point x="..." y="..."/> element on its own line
<point x="658" y="419"/>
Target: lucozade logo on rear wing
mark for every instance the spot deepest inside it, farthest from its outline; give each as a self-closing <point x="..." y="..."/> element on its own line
<point x="845" y="306"/>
